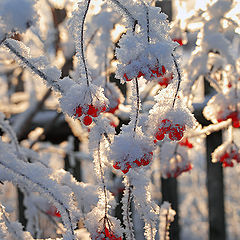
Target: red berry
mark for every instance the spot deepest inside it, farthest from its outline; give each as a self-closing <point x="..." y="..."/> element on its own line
<point x="140" y="74"/>
<point x="116" y="165"/>
<point x="145" y="161"/>
<point x="87" y="120"/>
<point x="78" y="111"/>
<point x="138" y="163"/>
<point x="227" y="164"/>
<point x="176" y="132"/>
<point x="52" y="211"/>
<point x="92" y="111"/>
<point x="127" y="167"/>
<point x="159" y="135"/>
<point x="179" y="41"/>
<point x="234" y="117"/>
<point x="165" y="125"/>
<point x="106" y="234"/>
<point x="104" y="108"/>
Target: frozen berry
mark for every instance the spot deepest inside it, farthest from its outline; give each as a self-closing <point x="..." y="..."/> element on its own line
<point x="52" y="211"/>
<point x="176" y="132"/>
<point x="179" y="41"/>
<point x="87" y="120"/>
<point x="92" y="111"/>
<point x="159" y="135"/>
<point x="78" y="111"/>
<point x="127" y="167"/>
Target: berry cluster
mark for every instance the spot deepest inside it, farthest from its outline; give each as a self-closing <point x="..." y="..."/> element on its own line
<point x="144" y="161"/>
<point x="185" y="143"/>
<point x="235" y="119"/>
<point x="89" y="111"/>
<point x="155" y="72"/>
<point x="179" y="170"/>
<point x="174" y="131"/>
<point x="107" y="235"/>
<point x="227" y="157"/>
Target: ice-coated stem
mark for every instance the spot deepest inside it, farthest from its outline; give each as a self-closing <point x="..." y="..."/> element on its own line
<point x="103" y="181"/>
<point x="82" y="46"/>
<point x="179" y="79"/>
<point x="24" y="60"/>
<point x="132" y="18"/>
<point x="138" y="104"/>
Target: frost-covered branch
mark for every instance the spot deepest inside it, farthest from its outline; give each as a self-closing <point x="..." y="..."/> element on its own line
<point x="14" y="228"/>
<point x="32" y="176"/>
<point x="52" y="82"/>
<point x="126" y="12"/>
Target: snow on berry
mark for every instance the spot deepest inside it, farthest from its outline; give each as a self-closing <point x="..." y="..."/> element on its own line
<point x="165" y="79"/>
<point x="106" y="234"/>
<point x="178" y="40"/>
<point x="83" y="101"/>
<point x="137" y="60"/>
<point x="227" y="153"/>
<point x="131" y="149"/>
<point x="222" y="107"/>
<point x="103" y="227"/>
<point x="166" y="121"/>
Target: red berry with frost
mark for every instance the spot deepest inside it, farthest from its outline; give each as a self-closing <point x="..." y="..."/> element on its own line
<point x="92" y="111"/>
<point x="165" y="125"/>
<point x="87" y="120"/>
<point x="234" y="117"/>
<point x="127" y="167"/>
<point x="176" y="132"/>
<point x="138" y="162"/>
<point x="78" y="111"/>
<point x="179" y="41"/>
<point x="52" y="211"/>
<point x="159" y="135"/>
<point x="117" y="165"/>
<point x="107" y="235"/>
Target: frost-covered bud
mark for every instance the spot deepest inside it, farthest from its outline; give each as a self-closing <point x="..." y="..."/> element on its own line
<point x="16" y="15"/>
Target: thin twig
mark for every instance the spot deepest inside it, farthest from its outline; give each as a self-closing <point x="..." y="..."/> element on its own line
<point x="32" y="67"/>
<point x="138" y="104"/>
<point x="133" y="19"/>
<point x="179" y="79"/>
<point x="82" y="47"/>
